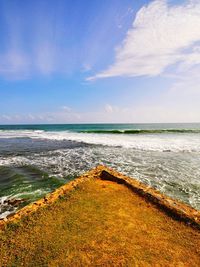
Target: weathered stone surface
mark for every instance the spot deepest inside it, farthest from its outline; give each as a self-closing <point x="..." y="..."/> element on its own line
<point x="14" y="202"/>
<point x="172" y="207"/>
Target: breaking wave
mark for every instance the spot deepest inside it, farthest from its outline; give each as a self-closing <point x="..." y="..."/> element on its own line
<point x="142" y="131"/>
<point x="35" y="161"/>
<point x="165" y="141"/>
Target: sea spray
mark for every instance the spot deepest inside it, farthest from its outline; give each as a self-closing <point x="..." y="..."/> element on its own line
<point x="36" y="159"/>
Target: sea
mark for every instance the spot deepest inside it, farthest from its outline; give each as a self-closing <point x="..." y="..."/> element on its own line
<point x="36" y="159"/>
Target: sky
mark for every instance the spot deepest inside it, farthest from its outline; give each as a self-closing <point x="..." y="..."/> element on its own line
<point x="94" y="61"/>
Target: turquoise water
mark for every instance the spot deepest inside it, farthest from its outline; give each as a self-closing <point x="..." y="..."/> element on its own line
<point x="36" y="159"/>
<point x="105" y="127"/>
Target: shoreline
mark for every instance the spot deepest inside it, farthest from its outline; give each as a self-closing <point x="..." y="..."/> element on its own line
<point x="174" y="208"/>
<point x="103" y="218"/>
<point x="169" y="163"/>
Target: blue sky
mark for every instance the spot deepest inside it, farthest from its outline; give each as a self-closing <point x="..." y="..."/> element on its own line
<point x="99" y="61"/>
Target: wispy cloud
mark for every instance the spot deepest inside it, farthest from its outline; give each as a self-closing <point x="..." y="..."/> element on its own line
<point x="14" y="65"/>
<point x="32" y="41"/>
<point x="162" y="35"/>
<point x="47" y="38"/>
<point x="175" y="105"/>
<point x="63" y="114"/>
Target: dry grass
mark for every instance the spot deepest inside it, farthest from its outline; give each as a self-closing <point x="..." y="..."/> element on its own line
<point x="100" y="223"/>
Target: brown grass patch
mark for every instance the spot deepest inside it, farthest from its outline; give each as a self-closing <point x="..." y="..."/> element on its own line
<point x="100" y="223"/>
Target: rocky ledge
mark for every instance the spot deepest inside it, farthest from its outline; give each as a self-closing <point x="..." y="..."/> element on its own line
<point x="172" y="207"/>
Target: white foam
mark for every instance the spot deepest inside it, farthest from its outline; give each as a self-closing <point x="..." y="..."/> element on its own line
<point x="176" y="174"/>
<point x="6" y="209"/>
<point x="3" y="199"/>
<point x="13" y="160"/>
<point x="152" y="142"/>
<point x="31" y="193"/>
<point x="3" y="205"/>
<point x="5" y="214"/>
<point x="20" y="133"/>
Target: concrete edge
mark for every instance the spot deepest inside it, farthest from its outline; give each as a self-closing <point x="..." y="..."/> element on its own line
<point x="173" y="208"/>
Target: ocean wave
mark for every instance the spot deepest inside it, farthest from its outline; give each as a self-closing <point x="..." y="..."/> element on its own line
<point x="142" y="131"/>
<point x="176" y="174"/>
<point x="19" y="132"/>
<point x="167" y="142"/>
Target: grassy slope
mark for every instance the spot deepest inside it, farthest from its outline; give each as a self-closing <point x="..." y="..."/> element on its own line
<point x="99" y="224"/>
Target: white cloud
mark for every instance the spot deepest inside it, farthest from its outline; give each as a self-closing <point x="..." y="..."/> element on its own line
<point x="161" y="35"/>
<point x="109" y="108"/>
<point x="63" y="114"/>
<point x="178" y="104"/>
<point x="31" y="117"/>
<point x="6" y="117"/>
<point x="66" y="109"/>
